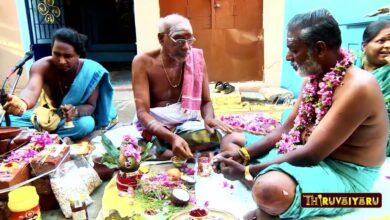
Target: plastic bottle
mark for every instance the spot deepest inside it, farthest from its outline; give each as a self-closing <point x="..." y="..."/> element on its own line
<point x="23" y="203"/>
<point x="204" y="166"/>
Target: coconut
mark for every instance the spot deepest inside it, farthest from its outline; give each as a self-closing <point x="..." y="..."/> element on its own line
<point x="180" y="197"/>
<point x="128" y="164"/>
<point x="188" y="180"/>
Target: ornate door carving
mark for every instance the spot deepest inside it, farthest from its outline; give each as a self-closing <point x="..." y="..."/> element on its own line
<point x="44" y="17"/>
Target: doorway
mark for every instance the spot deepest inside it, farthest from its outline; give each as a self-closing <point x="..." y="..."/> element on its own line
<point x="230" y="32"/>
<point x="109" y="25"/>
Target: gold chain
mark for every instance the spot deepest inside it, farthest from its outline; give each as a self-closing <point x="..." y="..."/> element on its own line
<point x="65" y="87"/>
<point x="166" y="74"/>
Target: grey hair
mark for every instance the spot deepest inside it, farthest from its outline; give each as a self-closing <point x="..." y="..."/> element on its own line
<point x="165" y="23"/>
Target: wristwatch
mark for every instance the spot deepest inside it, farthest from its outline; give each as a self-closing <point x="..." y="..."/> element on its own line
<point x="248" y="175"/>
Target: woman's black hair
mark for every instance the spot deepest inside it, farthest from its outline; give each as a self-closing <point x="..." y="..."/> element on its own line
<point x="72" y="37"/>
<point x="373" y="29"/>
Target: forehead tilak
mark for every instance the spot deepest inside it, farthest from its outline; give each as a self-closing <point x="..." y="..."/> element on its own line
<point x="180" y="28"/>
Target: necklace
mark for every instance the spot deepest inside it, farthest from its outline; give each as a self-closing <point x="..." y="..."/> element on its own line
<point x="316" y="101"/>
<point x="166" y="74"/>
<point x="63" y="87"/>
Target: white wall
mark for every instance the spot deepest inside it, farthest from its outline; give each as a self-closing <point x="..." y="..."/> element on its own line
<point x="147" y="14"/>
<point x="273" y="18"/>
<point x="14" y="39"/>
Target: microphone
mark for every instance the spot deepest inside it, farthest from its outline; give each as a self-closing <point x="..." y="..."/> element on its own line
<point x="28" y="55"/>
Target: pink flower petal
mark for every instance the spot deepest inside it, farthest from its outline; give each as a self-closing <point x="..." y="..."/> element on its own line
<point x="225" y="184"/>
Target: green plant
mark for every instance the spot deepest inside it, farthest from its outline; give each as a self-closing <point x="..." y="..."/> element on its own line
<point x="110" y="158"/>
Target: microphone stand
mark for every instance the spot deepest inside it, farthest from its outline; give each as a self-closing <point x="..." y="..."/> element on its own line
<point x="4" y="95"/>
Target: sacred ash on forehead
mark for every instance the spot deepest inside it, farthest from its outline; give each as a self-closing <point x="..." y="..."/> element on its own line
<point x="180" y="28"/>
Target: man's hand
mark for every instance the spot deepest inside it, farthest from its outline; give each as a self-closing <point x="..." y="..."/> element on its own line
<point x="210" y="124"/>
<point x="69" y="111"/>
<point x="180" y="148"/>
<point x="233" y="155"/>
<point x="15" y="105"/>
<point x="230" y="169"/>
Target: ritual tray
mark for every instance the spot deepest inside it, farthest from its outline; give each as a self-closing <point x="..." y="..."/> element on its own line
<point x="213" y="214"/>
<point x="5" y="190"/>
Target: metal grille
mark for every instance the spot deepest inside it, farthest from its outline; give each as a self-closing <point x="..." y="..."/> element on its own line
<point x="40" y="30"/>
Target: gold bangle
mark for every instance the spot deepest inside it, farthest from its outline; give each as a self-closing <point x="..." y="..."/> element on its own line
<point x="245" y="155"/>
<point x="248" y="175"/>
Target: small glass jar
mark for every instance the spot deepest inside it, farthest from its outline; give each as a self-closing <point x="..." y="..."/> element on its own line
<point x="204" y="166"/>
<point x="78" y="207"/>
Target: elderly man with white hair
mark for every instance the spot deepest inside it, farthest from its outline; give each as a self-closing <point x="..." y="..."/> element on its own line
<point x="170" y="84"/>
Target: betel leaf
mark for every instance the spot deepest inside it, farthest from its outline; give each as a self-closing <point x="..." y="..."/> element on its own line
<point x="109" y="161"/>
<point x="109" y="146"/>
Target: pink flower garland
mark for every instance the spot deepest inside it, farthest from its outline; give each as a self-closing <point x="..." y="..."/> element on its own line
<point x="316" y="101"/>
<point x="258" y="123"/>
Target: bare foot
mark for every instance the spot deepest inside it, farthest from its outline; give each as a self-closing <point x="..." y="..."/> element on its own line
<point x="258" y="214"/>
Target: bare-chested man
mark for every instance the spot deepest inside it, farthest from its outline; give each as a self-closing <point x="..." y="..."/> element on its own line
<point x="171" y="92"/>
<point x="333" y="141"/>
<point x="79" y="89"/>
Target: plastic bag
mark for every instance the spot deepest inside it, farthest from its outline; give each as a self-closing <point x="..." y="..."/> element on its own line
<point x="73" y="177"/>
<point x="87" y="173"/>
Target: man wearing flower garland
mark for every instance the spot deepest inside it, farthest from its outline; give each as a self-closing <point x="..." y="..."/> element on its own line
<point x="171" y="92"/>
<point x="334" y="139"/>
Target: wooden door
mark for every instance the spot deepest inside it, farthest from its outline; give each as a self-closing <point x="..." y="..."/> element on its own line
<point x="230" y="33"/>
